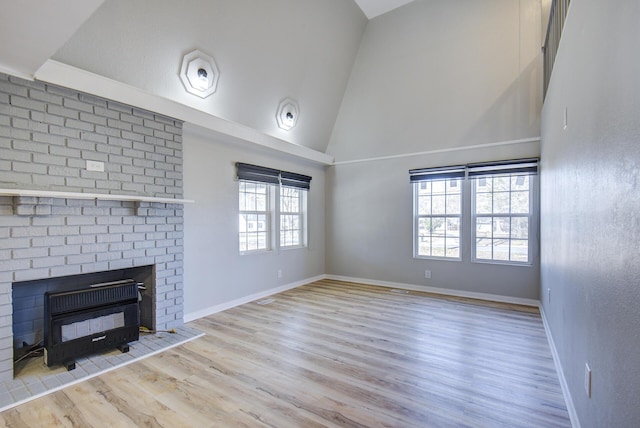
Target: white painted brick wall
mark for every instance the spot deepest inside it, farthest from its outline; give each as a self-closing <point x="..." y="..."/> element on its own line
<point x="47" y="134"/>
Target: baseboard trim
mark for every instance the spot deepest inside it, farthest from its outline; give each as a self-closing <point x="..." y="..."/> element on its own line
<point x="192" y="316"/>
<point x="436" y="290"/>
<point x="573" y="415"/>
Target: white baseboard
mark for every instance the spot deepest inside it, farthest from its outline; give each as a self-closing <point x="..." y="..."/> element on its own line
<point x="443" y="291"/>
<point x="246" y="299"/>
<point x="573" y="415"/>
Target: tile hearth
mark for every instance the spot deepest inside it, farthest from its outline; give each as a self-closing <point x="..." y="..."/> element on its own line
<point x="33" y="379"/>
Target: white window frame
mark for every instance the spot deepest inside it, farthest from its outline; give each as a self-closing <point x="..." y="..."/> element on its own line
<point x="531" y="216"/>
<point x="417" y="217"/>
<point x="267" y="213"/>
<point x="273" y="218"/>
<point x="301" y="215"/>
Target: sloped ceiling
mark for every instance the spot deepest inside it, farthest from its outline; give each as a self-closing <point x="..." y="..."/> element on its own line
<point x="30" y="39"/>
<point x="33" y="30"/>
<point x="42" y="37"/>
<point x="373" y="8"/>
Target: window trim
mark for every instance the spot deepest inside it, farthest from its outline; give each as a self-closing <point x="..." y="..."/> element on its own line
<point x="417" y="216"/>
<point x="268" y="221"/>
<point x="468" y="173"/>
<point x="302" y="214"/>
<point x="530" y="216"/>
<point x="275" y="179"/>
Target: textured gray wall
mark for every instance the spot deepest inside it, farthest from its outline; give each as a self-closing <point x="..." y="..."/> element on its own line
<point x="370" y="224"/>
<point x="591" y="210"/>
<point x="215" y="272"/>
<point x="47" y="134"/>
<point x="430" y="76"/>
<point x="442" y="74"/>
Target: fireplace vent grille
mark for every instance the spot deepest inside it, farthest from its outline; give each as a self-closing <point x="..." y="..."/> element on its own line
<point x="102" y="294"/>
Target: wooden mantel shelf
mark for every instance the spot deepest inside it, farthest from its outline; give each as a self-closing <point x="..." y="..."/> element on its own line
<point x="79" y="195"/>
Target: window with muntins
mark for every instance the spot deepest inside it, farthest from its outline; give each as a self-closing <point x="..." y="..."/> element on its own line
<point x="292" y="216"/>
<point x="272" y="208"/>
<point x="489" y="208"/>
<point x="438" y="218"/>
<point x="254" y="221"/>
<point x="502" y="218"/>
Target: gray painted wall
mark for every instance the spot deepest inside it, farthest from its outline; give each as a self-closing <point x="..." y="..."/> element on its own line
<point x="215" y="272"/>
<point x="590" y="209"/>
<point x="370" y="225"/>
<point x="443" y="74"/>
<point x="431" y="76"/>
<point x="265" y="50"/>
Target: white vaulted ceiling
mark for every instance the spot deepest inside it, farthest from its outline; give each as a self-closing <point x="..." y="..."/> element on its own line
<point x="373" y="8"/>
<point x="31" y="31"/>
<point x="72" y="43"/>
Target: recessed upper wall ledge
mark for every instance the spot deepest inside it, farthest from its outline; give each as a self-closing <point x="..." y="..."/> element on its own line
<point x="81" y="195"/>
<point x="81" y="80"/>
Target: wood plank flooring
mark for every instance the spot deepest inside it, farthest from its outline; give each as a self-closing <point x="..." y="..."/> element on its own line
<point x="331" y="354"/>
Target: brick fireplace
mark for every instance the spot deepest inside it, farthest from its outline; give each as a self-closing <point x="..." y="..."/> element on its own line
<point x="47" y="135"/>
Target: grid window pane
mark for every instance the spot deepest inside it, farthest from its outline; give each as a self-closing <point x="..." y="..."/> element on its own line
<point x="520" y="228"/>
<point x="502" y="218"/>
<point x="484" y="227"/>
<point x="520" y="202"/>
<point x="424" y="188"/>
<point x="424" y="206"/>
<point x="501" y="202"/>
<point x="453" y="227"/>
<point x="438" y="187"/>
<point x="520" y="182"/>
<point x="484" y="203"/>
<point x="253" y="217"/>
<point x="484" y="184"/>
<point x="501" y="183"/>
<point x="438" y="214"/>
<point x="453" y="247"/>
<point x="453" y="204"/>
<point x="484" y="248"/>
<point x="501" y="227"/>
<point x="260" y="202"/>
<point x="520" y="250"/>
<point x="501" y="249"/>
<point x="291" y="216"/>
<point x="438" y="204"/>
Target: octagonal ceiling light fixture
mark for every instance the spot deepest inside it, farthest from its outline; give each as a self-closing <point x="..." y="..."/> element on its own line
<point x="199" y="73"/>
<point x="287" y="115"/>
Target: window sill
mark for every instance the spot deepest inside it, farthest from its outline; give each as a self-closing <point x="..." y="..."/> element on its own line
<point x="443" y="259"/>
<point x="293" y="247"/>
<point x="502" y="263"/>
<point x="250" y="252"/>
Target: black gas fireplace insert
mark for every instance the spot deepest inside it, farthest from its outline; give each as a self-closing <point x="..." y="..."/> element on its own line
<point x="83" y="322"/>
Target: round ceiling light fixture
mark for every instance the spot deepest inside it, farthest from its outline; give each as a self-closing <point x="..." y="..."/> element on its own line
<point x="287" y="115"/>
<point x="199" y="74"/>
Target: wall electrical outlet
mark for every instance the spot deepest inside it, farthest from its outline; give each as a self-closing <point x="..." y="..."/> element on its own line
<point x="95" y="166"/>
<point x="279" y="273"/>
<point x="548" y="295"/>
<point x="587" y="379"/>
<point x="427" y="274"/>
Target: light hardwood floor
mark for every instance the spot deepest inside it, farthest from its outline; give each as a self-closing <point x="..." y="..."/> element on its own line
<point x="331" y="354"/>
